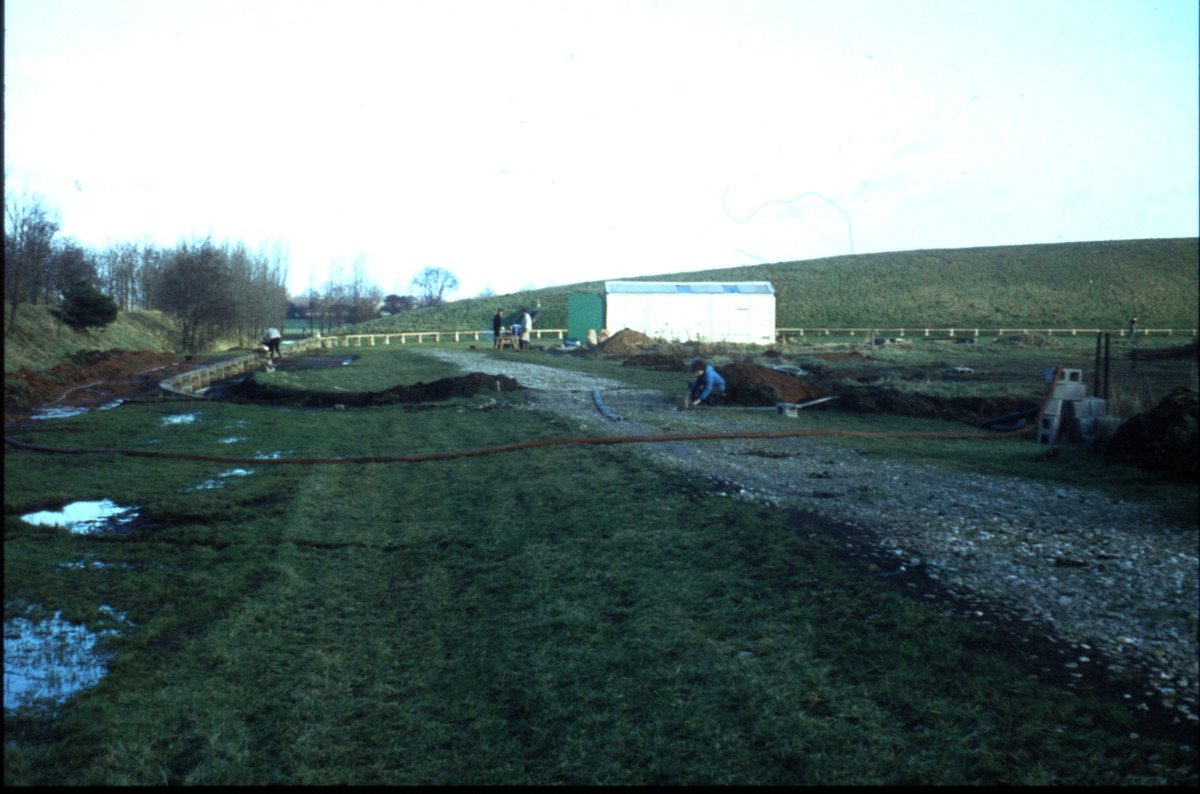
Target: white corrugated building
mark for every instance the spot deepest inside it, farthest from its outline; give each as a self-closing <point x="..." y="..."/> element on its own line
<point x="709" y="311"/>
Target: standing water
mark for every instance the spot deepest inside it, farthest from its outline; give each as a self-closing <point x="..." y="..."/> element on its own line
<point x="85" y="518"/>
<point x="50" y="659"/>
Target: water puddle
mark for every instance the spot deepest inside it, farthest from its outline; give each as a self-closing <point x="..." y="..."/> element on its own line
<point x="57" y="413"/>
<point x="85" y="518"/>
<point x="179" y="419"/>
<point x="64" y="411"/>
<point x="219" y="482"/>
<point x="51" y="659"/>
<point x="231" y="440"/>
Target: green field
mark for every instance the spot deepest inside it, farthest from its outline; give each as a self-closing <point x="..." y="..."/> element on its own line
<point x="565" y="615"/>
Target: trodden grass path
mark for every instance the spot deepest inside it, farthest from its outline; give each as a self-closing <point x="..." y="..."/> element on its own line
<point x="562" y="615"/>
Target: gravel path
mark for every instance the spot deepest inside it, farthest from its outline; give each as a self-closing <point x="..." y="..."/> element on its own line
<point x="1108" y="577"/>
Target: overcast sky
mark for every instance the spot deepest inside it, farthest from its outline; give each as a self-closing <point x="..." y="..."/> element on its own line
<point x="537" y="143"/>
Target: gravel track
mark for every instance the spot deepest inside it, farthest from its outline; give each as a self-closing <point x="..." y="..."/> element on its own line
<point x="1108" y="579"/>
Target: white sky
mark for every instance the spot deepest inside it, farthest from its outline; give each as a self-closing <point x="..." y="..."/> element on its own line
<point x="537" y="143"/>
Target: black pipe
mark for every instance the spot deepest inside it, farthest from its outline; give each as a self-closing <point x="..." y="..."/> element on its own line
<point x="1009" y="418"/>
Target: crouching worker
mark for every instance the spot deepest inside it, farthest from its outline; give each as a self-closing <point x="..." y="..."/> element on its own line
<point x="708" y="387"/>
<point x="271" y="340"/>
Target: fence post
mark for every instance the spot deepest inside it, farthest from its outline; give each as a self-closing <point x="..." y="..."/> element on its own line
<point x="1107" y="342"/>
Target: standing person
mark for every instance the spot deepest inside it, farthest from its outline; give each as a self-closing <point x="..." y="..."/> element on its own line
<point x="526" y="324"/>
<point x="497" y="328"/>
<point x="272" y="338"/>
<point x="1133" y="331"/>
<point x="708" y="387"/>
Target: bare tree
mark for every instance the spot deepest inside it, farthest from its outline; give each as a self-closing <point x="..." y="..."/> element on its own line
<point x="361" y="296"/>
<point x="432" y="284"/>
<point x="194" y="286"/>
<point x="69" y="262"/>
<point x="118" y="267"/>
<point x="29" y="230"/>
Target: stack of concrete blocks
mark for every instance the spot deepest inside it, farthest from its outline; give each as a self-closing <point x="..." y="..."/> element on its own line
<point x="1070" y="410"/>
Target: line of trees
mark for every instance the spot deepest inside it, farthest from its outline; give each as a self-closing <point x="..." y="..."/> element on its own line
<point x="212" y="290"/>
<point x="348" y="297"/>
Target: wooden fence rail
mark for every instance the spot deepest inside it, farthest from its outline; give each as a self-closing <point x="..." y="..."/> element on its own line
<point x="369" y="339"/>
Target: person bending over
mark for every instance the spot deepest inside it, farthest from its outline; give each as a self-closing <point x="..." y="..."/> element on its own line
<point x="708" y="387"/>
<point x="271" y="339"/>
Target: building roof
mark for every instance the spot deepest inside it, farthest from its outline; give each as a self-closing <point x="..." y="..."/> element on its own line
<point x="676" y="287"/>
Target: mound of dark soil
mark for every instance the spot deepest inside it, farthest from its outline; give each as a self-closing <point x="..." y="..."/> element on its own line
<point x="657" y="362"/>
<point x="973" y="410"/>
<point x="623" y="344"/>
<point x="1165" y="439"/>
<point x="751" y="384"/>
<point x="446" y="388"/>
<point x="1027" y="340"/>
<point x="1168" y="353"/>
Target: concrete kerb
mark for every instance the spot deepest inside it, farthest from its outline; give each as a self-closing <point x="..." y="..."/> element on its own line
<point x="190" y="384"/>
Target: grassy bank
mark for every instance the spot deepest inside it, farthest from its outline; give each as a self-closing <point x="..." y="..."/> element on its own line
<point x="565" y="615"/>
<point x="1088" y="285"/>
<point x="38" y="342"/>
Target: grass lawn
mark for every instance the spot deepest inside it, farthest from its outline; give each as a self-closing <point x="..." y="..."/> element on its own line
<point x="566" y="615"/>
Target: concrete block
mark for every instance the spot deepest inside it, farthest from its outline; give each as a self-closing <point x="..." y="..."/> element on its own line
<point x="1048" y="429"/>
<point x="1070" y="391"/>
<point x="1092" y="406"/>
<point x="1054" y="407"/>
<point x="1067" y="376"/>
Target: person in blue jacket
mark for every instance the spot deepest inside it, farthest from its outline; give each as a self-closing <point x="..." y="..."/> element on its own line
<point x="708" y="387"/>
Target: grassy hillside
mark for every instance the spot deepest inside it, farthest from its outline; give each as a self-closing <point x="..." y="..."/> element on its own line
<point x="1067" y="284"/>
<point x="38" y="343"/>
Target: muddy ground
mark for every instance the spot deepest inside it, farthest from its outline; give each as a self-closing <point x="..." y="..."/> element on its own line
<point x="751" y="384"/>
<point x="249" y="390"/>
<point x="1165" y="439"/>
<point x="91" y="378"/>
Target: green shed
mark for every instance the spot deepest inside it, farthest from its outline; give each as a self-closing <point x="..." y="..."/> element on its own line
<point x="584" y="313"/>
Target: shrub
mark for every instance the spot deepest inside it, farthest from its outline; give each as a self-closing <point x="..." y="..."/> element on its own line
<point x="84" y="307"/>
